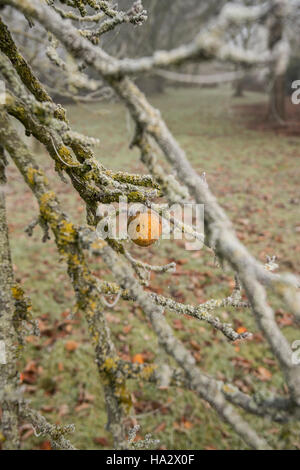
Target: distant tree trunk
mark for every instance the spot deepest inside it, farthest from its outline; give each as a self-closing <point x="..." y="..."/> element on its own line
<point x="239" y="88"/>
<point x="277" y="98"/>
<point x="151" y="85"/>
<point x="280" y="49"/>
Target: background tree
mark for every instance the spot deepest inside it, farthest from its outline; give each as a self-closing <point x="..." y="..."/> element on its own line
<point x="279" y="45"/>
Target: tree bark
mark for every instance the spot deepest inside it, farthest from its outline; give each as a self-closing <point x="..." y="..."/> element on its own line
<point x="8" y="337"/>
<point x="280" y="50"/>
<point x="277" y="99"/>
<point x="239" y="88"/>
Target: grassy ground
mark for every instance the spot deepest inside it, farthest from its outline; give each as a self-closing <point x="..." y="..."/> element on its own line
<point x="256" y="178"/>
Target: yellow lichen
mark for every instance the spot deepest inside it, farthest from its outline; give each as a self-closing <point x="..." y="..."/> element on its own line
<point x="32" y="173"/>
<point x="46" y="198"/>
<point x="228" y="389"/>
<point x="124" y="397"/>
<point x="67" y="232"/>
<point x="66" y="156"/>
<point x="147" y="372"/>
<point x="110" y="364"/>
<point x="17" y="292"/>
<point x="98" y="244"/>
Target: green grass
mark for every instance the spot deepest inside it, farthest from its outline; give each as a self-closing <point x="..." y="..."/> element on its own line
<point x="255" y="175"/>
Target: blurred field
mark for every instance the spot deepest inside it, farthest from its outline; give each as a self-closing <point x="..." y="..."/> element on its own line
<point x="255" y="175"/>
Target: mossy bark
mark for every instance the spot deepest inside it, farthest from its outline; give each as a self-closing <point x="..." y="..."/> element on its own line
<point x="84" y="283"/>
<point x="8" y="337"/>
